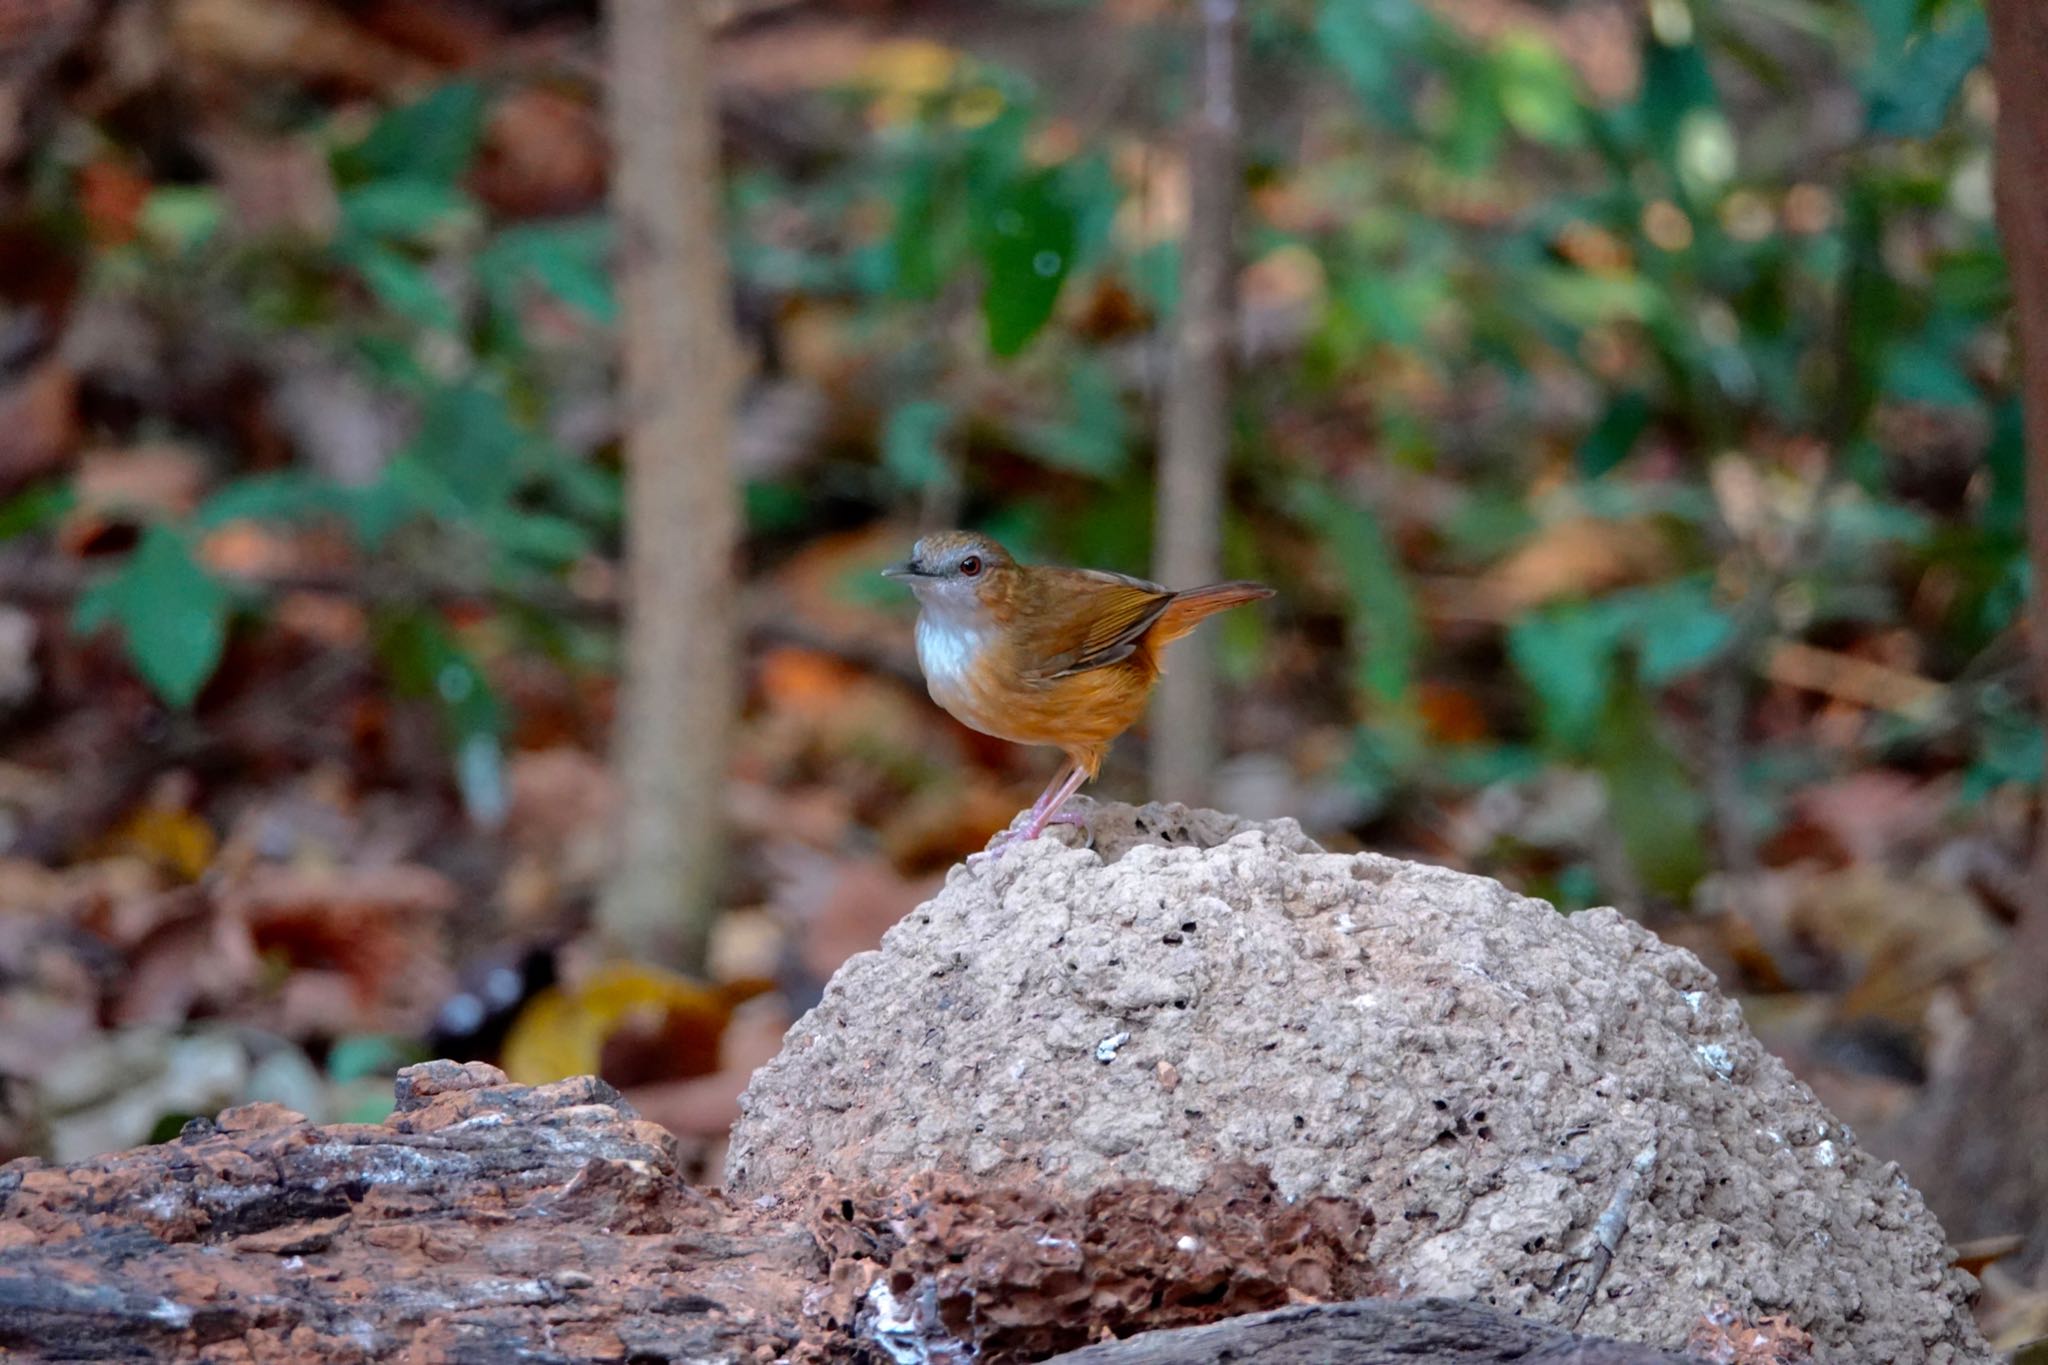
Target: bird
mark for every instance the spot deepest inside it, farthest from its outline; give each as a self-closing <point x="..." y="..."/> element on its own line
<point x="1036" y="654"/>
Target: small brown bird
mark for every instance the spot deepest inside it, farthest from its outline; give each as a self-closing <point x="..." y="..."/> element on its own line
<point x="1040" y="655"/>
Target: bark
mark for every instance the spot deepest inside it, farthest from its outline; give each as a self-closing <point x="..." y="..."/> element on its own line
<point x="1980" y="1154"/>
<point x="480" y="1222"/>
<point x="677" y="703"/>
<point x="1371" y="1332"/>
<point x="1195" y="444"/>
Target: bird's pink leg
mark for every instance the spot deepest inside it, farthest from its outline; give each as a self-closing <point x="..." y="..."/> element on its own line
<point x="1044" y="811"/>
<point x="1051" y="814"/>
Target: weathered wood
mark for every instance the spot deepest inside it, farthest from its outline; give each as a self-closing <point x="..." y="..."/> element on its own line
<point x="1371" y="1332"/>
<point x="480" y="1222"/>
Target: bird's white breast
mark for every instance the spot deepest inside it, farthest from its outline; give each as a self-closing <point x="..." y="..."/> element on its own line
<point x="946" y="651"/>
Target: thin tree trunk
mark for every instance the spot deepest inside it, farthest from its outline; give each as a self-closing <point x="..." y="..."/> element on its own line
<point x="1196" y="442"/>
<point x="1980" y="1155"/>
<point x="676" y="706"/>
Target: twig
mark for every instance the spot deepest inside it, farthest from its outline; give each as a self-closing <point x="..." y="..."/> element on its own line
<point x="679" y="698"/>
<point x="1196" y="441"/>
<point x="1608" y="1231"/>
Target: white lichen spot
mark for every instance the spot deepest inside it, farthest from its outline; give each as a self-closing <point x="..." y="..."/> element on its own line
<point x="1825" y="1153"/>
<point x="1694" y="999"/>
<point x="173" y="1315"/>
<point x="1190" y="1245"/>
<point x="1046" y="1239"/>
<point x="907" y="1331"/>
<point x="1105" y="1051"/>
<point x="1346" y="924"/>
<point x="1715" y="1058"/>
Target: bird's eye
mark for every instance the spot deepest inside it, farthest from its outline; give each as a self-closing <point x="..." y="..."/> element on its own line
<point x="970" y="566"/>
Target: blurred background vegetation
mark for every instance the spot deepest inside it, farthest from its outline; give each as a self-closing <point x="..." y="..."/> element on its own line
<point x="1626" y="411"/>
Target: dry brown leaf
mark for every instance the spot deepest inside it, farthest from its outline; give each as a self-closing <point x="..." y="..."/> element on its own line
<point x="543" y="153"/>
<point x="836" y="907"/>
<point x="119" y="484"/>
<point x="1877" y="816"/>
<point x="378" y="926"/>
<point x="1861" y="682"/>
<point x="293" y="39"/>
<point x="38" y="423"/>
<point x="708" y="1106"/>
<point x="274" y="185"/>
<point x="201" y="959"/>
<point x="1575" y="557"/>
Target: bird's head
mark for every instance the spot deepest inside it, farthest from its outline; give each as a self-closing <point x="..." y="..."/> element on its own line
<point x="957" y="573"/>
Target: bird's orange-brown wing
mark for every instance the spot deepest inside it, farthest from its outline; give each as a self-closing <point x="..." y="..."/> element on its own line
<point x="1101" y="618"/>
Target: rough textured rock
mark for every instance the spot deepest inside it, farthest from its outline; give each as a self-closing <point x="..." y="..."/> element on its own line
<point x="1503" y="1086"/>
<point x="946" y="1268"/>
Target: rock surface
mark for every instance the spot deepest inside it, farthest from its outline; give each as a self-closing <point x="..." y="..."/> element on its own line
<point x="1502" y="1086"/>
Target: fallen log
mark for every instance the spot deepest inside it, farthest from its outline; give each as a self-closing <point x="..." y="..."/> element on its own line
<point x="1371" y="1332"/>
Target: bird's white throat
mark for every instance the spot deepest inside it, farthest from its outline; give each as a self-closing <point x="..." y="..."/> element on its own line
<point x="946" y="647"/>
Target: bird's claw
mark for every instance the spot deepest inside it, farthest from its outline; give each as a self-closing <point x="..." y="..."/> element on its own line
<point x="1010" y="838"/>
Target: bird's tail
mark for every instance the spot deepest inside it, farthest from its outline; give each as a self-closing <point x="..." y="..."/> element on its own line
<point x="1189" y="609"/>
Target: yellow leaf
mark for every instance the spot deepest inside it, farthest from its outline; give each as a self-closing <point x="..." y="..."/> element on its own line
<point x="173" y="839"/>
<point x="562" y="1031"/>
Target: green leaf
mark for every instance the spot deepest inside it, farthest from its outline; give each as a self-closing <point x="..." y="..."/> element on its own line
<point x="182" y="216"/>
<point x="1027" y="242"/>
<point x="774" y="508"/>
<point x="569" y="260"/>
<point x="1566" y="656"/>
<point x="917" y="235"/>
<point x="282" y="496"/>
<point x="2004" y="511"/>
<point x="357" y="1055"/>
<point x="470" y="442"/>
<point x="375" y="510"/>
<point x="538" y="536"/>
<point x="37" y="509"/>
<point x="1371" y="43"/>
<point x="1676" y="83"/>
<point x="401" y="285"/>
<point x="404" y="210"/>
<point x="1537" y="91"/>
<point x="1386" y="637"/>
<point x="1677" y="629"/>
<point x="1652" y="801"/>
<point x="1921" y="370"/>
<point x="434" y="138"/>
<point x="1910" y="97"/>
<point x="911" y="439"/>
<point x="426" y="660"/>
<point x="1094" y="436"/>
<point x="1614" y="435"/>
<point x="172" y="613"/>
<point x="589" y="490"/>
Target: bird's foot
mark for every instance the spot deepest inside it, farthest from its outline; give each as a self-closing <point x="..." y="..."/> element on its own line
<point x="1032" y="828"/>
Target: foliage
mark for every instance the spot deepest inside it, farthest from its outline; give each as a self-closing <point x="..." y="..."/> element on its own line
<point x="1530" y="279"/>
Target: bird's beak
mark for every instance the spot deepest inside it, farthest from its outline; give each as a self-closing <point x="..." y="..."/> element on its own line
<point x="900" y="571"/>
